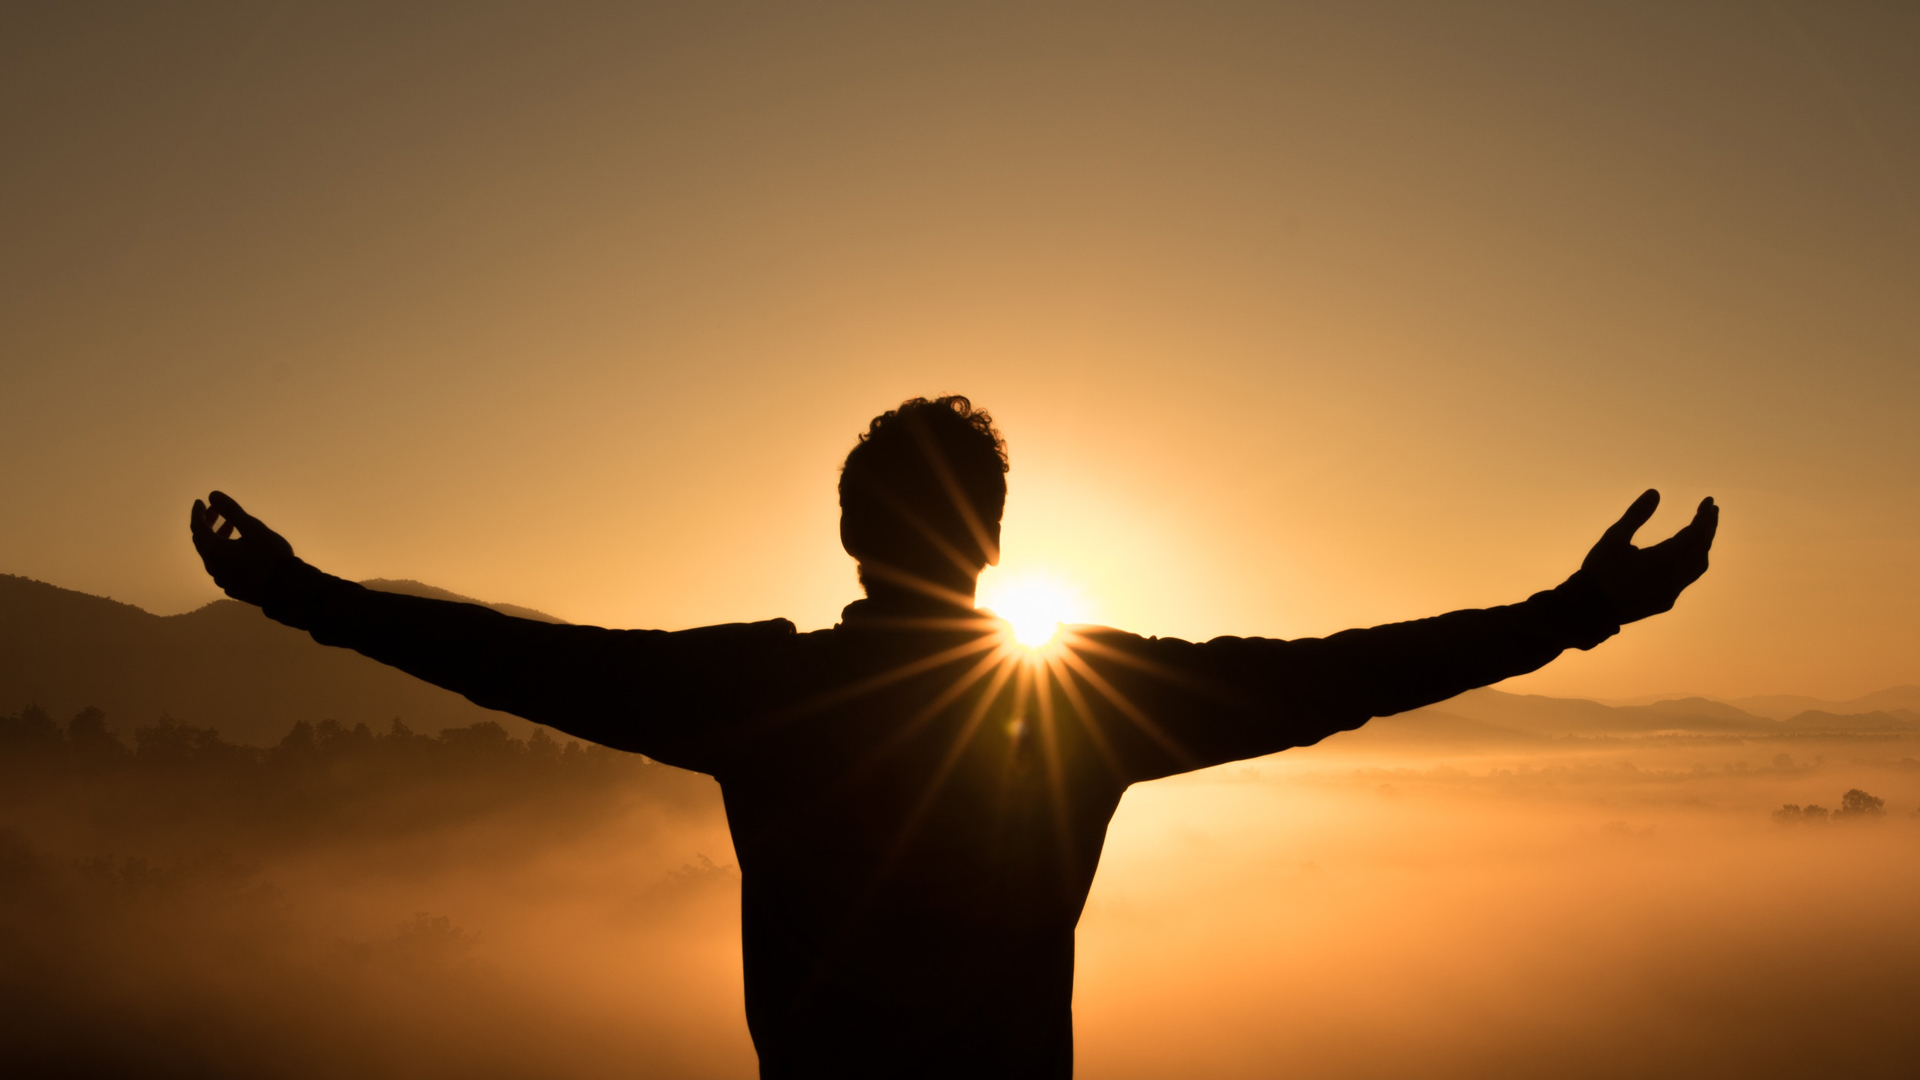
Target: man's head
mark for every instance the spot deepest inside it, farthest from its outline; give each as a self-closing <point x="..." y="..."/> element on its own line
<point x="921" y="496"/>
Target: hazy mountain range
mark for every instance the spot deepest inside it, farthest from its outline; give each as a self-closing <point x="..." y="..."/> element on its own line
<point x="229" y="667"/>
<point x="224" y="666"/>
<point x="1489" y="717"/>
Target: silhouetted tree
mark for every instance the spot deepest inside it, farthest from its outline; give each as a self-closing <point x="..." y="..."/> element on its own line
<point x="484" y="740"/>
<point x="88" y="737"/>
<point x="172" y="743"/>
<point x="1795" y="814"/>
<point x="542" y="748"/>
<point x="1858" y="804"/>
<point x="323" y="783"/>
<point x="31" y="729"/>
<point x="297" y="742"/>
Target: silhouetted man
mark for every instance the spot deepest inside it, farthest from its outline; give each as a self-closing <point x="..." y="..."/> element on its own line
<point x="917" y="801"/>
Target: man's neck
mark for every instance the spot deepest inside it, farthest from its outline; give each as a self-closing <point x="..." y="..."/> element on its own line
<point x="947" y="601"/>
<point x="898" y="590"/>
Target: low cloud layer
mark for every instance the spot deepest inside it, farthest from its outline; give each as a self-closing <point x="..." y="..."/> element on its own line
<point x="468" y="904"/>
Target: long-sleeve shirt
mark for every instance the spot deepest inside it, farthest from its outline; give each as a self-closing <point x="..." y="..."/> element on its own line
<point x="918" y="804"/>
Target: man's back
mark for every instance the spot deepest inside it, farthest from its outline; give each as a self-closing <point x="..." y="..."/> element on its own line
<point x="916" y="841"/>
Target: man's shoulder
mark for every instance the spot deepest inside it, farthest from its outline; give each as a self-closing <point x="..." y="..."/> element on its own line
<point x="1174" y="660"/>
<point x="1107" y="639"/>
<point x="767" y="637"/>
<point x="1107" y="635"/>
<point x="721" y="643"/>
<point x="766" y="629"/>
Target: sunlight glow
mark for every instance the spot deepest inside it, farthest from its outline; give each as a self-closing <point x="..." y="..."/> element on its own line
<point x="1035" y="605"/>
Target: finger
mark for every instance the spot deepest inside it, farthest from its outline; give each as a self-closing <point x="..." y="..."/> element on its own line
<point x="200" y="526"/>
<point x="251" y="528"/>
<point x="1707" y="519"/>
<point x="1621" y="532"/>
<point x="1684" y="554"/>
<point x="226" y="507"/>
<point x="1697" y="535"/>
<point x="1705" y="523"/>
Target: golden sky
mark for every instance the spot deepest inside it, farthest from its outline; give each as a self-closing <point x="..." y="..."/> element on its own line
<point x="1295" y="319"/>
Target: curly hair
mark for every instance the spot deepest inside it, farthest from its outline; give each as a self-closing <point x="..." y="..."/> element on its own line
<point x="935" y="463"/>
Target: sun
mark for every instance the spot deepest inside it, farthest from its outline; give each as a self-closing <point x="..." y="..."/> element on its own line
<point x="1035" y="605"/>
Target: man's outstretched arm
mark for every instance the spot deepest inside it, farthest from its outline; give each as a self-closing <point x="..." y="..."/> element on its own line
<point x="1233" y="698"/>
<point x="641" y="690"/>
<point x="1391" y="669"/>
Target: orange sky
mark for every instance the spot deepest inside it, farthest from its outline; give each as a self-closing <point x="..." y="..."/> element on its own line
<point x="1293" y="320"/>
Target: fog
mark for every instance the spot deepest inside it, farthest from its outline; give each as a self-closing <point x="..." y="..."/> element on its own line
<point x="353" y="905"/>
<point x="471" y="905"/>
<point x="1602" y="908"/>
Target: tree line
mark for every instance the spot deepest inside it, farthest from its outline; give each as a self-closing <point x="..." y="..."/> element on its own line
<point x="323" y="782"/>
<point x="1854" y="805"/>
<point x="86" y="738"/>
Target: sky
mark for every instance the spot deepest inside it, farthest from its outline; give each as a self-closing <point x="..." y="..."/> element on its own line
<point x="1295" y="317"/>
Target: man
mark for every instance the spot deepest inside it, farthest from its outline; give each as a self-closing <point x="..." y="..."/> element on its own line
<point x="918" y="802"/>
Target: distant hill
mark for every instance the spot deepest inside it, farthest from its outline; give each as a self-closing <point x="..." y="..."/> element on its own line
<point x="1879" y="720"/>
<point x="1533" y="716"/>
<point x="1547" y="716"/>
<point x="1433" y="729"/>
<point x="1786" y="706"/>
<point x="224" y="666"/>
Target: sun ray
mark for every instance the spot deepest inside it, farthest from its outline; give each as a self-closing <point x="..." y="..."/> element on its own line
<point x="1022" y="689"/>
<point x="1056" y="774"/>
<point x="1001" y="656"/>
<point x="1016" y="722"/>
<point x="1088" y="643"/>
<point x="1088" y="721"/>
<point x="896" y="673"/>
<point x="907" y="579"/>
<point x="1008" y="666"/>
<point x="1128" y="709"/>
<point x="879" y="680"/>
<point x="931" y="534"/>
<point x="989" y="550"/>
<point x="927" y="712"/>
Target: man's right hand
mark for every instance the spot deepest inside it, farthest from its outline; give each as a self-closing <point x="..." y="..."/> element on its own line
<point x="243" y="564"/>
<point x="1637" y="582"/>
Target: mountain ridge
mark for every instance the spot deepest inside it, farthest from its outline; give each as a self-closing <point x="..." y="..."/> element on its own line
<point x="410" y="587"/>
<point x="223" y="665"/>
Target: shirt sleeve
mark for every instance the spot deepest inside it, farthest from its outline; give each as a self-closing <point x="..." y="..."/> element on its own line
<point x="1169" y="706"/>
<point x="653" y="692"/>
